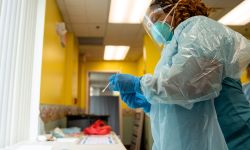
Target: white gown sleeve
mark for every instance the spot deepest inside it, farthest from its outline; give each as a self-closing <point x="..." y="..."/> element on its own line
<point x="196" y="72"/>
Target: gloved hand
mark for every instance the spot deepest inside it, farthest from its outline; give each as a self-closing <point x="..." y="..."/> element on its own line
<point x="130" y="90"/>
<point x="136" y="100"/>
<point x="124" y="83"/>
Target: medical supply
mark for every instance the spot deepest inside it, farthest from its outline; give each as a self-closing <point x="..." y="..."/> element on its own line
<point x="105" y="87"/>
<point x="124" y="83"/>
<point x="97" y="128"/>
<point x="130" y="90"/>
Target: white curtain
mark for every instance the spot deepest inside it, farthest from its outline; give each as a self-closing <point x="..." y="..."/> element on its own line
<point x="0" y="6"/>
<point x="21" y="39"/>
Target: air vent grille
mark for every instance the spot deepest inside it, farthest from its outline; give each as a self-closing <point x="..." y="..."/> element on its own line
<point x="90" y="40"/>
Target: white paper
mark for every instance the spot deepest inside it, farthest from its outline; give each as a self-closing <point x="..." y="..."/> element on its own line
<point x="67" y="140"/>
<point x="35" y="147"/>
<point x="97" y="140"/>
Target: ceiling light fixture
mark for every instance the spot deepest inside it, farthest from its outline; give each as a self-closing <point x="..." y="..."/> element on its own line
<point x="238" y="16"/>
<point x="128" y="11"/>
<point x="115" y="52"/>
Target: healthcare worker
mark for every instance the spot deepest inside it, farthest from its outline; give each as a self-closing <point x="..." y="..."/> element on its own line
<point x="194" y="98"/>
<point x="246" y="87"/>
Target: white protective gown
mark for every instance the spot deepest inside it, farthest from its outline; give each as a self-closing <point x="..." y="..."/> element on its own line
<point x="187" y="78"/>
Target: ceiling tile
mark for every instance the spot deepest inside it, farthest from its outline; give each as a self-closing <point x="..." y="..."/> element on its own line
<point x="92" y="53"/>
<point x="222" y="3"/>
<point x="244" y="30"/>
<point x="80" y="29"/>
<point x="220" y="8"/>
<point x="76" y="11"/>
<point x="77" y="19"/>
<point x="69" y="27"/>
<point x="96" y="30"/>
<point x="217" y="13"/>
<point x="96" y="53"/>
<point x="63" y="10"/>
<point x="97" y="11"/>
<point x="138" y="42"/>
<point x="121" y="34"/>
<point x="82" y="16"/>
<point x="90" y="30"/>
<point x="91" y="48"/>
<point x="74" y="3"/>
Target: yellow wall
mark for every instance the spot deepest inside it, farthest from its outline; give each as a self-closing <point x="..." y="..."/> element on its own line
<point x="59" y="66"/>
<point x="152" y="55"/>
<point x="71" y="71"/>
<point x="82" y="84"/>
<point x="244" y="78"/>
<point x="141" y="67"/>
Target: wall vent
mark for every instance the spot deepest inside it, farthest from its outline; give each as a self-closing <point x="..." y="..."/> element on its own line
<point x="90" y="40"/>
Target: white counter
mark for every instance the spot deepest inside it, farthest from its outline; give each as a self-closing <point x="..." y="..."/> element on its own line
<point x="74" y="144"/>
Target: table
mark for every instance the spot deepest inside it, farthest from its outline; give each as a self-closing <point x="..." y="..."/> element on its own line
<point x="84" y="144"/>
<point x="72" y="144"/>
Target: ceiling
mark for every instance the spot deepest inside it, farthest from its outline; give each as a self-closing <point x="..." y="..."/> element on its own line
<point x="89" y="18"/>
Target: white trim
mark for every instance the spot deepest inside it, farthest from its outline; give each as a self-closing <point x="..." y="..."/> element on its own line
<point x="37" y="70"/>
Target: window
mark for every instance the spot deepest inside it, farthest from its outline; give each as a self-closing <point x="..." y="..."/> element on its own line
<point x="21" y="39"/>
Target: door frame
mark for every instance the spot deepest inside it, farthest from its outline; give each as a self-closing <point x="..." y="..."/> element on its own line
<point x="87" y="110"/>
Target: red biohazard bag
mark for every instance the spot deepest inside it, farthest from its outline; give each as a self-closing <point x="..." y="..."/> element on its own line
<point x="97" y="128"/>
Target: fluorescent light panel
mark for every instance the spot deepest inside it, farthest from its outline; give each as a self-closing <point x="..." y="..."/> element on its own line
<point x="128" y="11"/>
<point x="240" y="15"/>
<point x="115" y="52"/>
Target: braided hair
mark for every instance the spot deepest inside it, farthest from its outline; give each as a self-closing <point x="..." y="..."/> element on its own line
<point x="184" y="10"/>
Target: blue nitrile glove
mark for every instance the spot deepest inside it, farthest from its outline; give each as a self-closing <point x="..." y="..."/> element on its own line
<point x="136" y="100"/>
<point x="130" y="90"/>
<point x="124" y="83"/>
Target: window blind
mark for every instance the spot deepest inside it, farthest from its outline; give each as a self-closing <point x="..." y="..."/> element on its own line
<point x="21" y="38"/>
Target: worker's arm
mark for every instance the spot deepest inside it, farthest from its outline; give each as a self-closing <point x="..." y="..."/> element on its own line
<point x="195" y="74"/>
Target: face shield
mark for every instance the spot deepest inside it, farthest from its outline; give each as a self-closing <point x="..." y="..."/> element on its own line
<point x="159" y="25"/>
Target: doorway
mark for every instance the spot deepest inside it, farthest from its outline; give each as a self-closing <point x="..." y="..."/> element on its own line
<point x="104" y="103"/>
